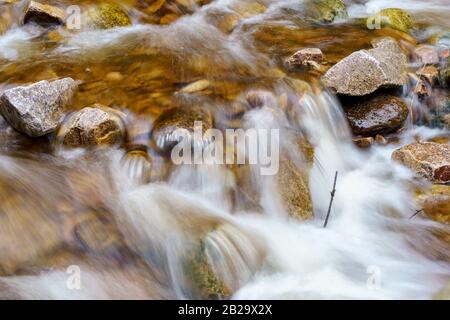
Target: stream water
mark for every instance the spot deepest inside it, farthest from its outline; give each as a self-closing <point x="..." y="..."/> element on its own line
<point x="132" y="239"/>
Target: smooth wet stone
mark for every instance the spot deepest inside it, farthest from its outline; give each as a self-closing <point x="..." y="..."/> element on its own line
<point x="427" y="159"/>
<point x="392" y="17"/>
<point x="436" y="204"/>
<point x="196" y="86"/>
<point x="380" y="140"/>
<point x="108" y="16"/>
<point x="426" y="54"/>
<point x="364" y="143"/>
<point x="304" y="56"/>
<point x="365" y="71"/>
<point x="44" y="14"/>
<point x="370" y="116"/>
<point x="325" y="11"/>
<point x="179" y="118"/>
<point x="93" y="126"/>
<point x="36" y="109"/>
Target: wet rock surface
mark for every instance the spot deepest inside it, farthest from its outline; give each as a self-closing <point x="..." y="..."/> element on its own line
<point x="36" y="109"/>
<point x="428" y="159"/>
<point x="93" y="126"/>
<point x="436" y="204"/>
<point x="44" y="14"/>
<point x="365" y="71"/>
<point x="376" y="114"/>
<point x="179" y="118"/>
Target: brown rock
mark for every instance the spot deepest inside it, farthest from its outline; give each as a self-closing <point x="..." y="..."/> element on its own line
<point x="93" y="126"/>
<point x="179" y="118"/>
<point x="305" y="56"/>
<point x="428" y="159"/>
<point x="294" y="190"/>
<point x="44" y="14"/>
<point x="421" y="89"/>
<point x="365" y="71"/>
<point x="363" y="143"/>
<point x="429" y="73"/>
<point x="380" y="139"/>
<point x="426" y="54"/>
<point x="376" y="114"/>
<point x="436" y="205"/>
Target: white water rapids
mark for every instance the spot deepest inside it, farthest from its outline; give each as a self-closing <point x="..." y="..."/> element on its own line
<point x="369" y="250"/>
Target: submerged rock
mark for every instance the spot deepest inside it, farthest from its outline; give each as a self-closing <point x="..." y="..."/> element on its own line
<point x="378" y="114"/>
<point x="365" y="71"/>
<point x="392" y="17"/>
<point x="36" y="109"/>
<point x="222" y="261"/>
<point x="107" y="16"/>
<point x="428" y="159"/>
<point x="436" y="204"/>
<point x="44" y="14"/>
<point x="180" y="118"/>
<point x="326" y="10"/>
<point x="93" y="126"/>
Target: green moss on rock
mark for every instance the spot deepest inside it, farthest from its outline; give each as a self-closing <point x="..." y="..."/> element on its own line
<point x="326" y="10"/>
<point x="107" y="16"/>
<point x="392" y="17"/>
<point x="201" y="276"/>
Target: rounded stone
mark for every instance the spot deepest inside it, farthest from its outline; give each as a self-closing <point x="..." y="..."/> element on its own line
<point x="376" y="115"/>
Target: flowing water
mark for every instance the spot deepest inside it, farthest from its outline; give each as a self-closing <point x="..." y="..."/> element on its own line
<point x="135" y="240"/>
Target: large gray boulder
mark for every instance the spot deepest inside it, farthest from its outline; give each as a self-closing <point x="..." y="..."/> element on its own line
<point x="365" y="71"/>
<point x="36" y="109"/>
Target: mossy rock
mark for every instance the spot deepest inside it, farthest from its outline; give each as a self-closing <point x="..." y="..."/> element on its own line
<point x="392" y="17"/>
<point x="107" y="16"/>
<point x="326" y="10"/>
<point x="200" y="274"/>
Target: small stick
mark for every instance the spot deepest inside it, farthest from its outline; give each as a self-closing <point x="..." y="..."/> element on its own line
<point x="331" y="200"/>
<point x="416" y="213"/>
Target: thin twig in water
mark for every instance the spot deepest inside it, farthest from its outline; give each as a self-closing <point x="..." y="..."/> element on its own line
<point x="331" y="200"/>
<point x="416" y="213"/>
